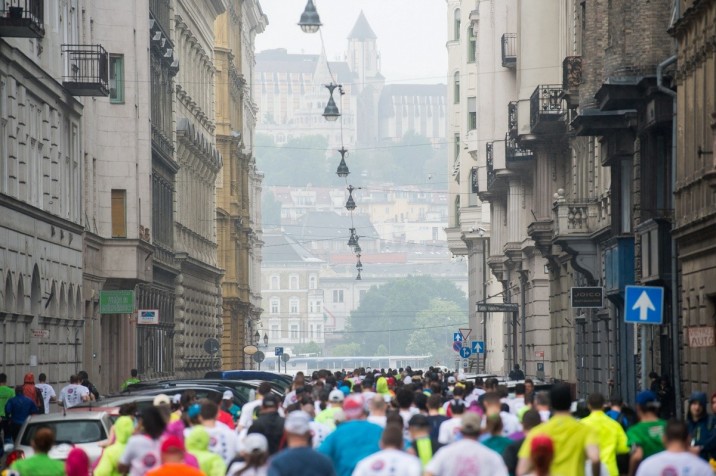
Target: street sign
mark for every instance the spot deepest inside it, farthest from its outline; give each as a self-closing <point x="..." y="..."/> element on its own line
<point x="258" y="357"/>
<point x="700" y="336"/>
<point x="644" y="305"/>
<point x="478" y="347"/>
<point x="456" y="337"/>
<point x="456" y="346"/>
<point x="211" y="346"/>
<point x="587" y="297"/>
<point x="285" y="358"/>
<point x="41" y="333"/>
<point x="497" y="307"/>
<point x="464" y="364"/>
<point x="539" y="354"/>
<point x="465" y="352"/>
<point x="465" y="333"/>
<point x="116" y="302"/>
<point x="148" y="316"/>
<point x="277" y="351"/>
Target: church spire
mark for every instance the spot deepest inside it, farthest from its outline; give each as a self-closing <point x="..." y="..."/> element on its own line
<point x="362" y="30"/>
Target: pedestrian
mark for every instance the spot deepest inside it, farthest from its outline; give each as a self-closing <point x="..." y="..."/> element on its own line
<point x="377" y="410"/>
<point x="529" y="386"/>
<point x="423" y="444"/>
<point x="144" y="450"/>
<point x="530" y="419"/>
<point x="228" y="406"/>
<point x="197" y="443"/>
<point x="612" y="439"/>
<point x="435" y="418"/>
<point x="253" y="457"/>
<point x="667" y="398"/>
<point x="85" y="382"/>
<point x="6" y="393"/>
<point x="108" y="464"/>
<point x="616" y="411"/>
<point x="495" y="440"/>
<point x="450" y="429"/>
<point x="516" y="373"/>
<point x="654" y="384"/>
<point x="391" y="460"/>
<point x="32" y="392"/>
<point x="18" y="409"/>
<point x="335" y="403"/>
<point x="73" y="394"/>
<point x="172" y="452"/>
<point x="249" y="410"/>
<point x="40" y="464"/>
<point x="542" y="405"/>
<point x="677" y="460"/>
<point x="574" y="442"/>
<point x="702" y="426"/>
<point x="645" y="437"/>
<point x="299" y="459"/>
<point x="518" y="401"/>
<point x="48" y="393"/>
<point x="270" y="423"/>
<point x="319" y="431"/>
<point x="77" y="463"/>
<point x="494" y="406"/>
<point x="541" y="456"/>
<point x="466" y="456"/>
<point x="222" y="440"/>
<point x="353" y="439"/>
<point x="224" y="415"/>
<point x="134" y="378"/>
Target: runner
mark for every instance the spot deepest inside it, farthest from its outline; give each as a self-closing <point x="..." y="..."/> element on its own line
<point x="391" y="460"/>
<point x="677" y="460"/>
<point x="299" y="459"/>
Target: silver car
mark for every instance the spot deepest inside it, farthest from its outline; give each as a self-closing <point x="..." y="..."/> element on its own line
<point x="85" y="430"/>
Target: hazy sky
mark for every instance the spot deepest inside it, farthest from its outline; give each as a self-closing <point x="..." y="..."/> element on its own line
<point x="411" y="33"/>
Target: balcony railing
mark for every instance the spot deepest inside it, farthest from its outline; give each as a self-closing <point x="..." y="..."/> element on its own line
<point x="579" y="218"/>
<point x="86" y="70"/>
<point x="490" y="162"/>
<point x="22" y="18"/>
<point x="512" y="119"/>
<point x="159" y="9"/>
<point x="509" y="50"/>
<point x="546" y="107"/>
<point x="514" y="153"/>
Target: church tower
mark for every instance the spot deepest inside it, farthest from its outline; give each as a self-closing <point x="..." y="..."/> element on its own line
<point x="364" y="62"/>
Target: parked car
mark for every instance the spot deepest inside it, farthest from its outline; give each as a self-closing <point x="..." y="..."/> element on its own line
<point x="82" y="429"/>
<point x="213" y="392"/>
<point x="282" y="379"/>
<point x="111" y="405"/>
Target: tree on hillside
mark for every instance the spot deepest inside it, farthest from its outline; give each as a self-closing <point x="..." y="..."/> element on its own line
<point x="297" y="163"/>
<point x="431" y="339"/>
<point x="389" y="314"/>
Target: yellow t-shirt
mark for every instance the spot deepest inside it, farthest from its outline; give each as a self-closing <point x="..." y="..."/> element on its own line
<point x="570" y="438"/>
<point x="612" y="439"/>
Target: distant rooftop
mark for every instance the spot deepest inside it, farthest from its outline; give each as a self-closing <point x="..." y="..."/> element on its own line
<point x="282" y="249"/>
<point x="362" y="30"/>
<point x="279" y="60"/>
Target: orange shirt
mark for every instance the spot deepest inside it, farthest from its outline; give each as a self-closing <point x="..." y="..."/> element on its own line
<point x="175" y="469"/>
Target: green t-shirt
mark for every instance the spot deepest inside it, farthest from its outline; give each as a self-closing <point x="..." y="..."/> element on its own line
<point x="6" y="393"/>
<point x="648" y="436"/>
<point x="497" y="443"/>
<point x="128" y="382"/>
<point x="39" y="465"/>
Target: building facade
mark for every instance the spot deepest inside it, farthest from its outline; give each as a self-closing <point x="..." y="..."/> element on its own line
<point x="238" y="189"/>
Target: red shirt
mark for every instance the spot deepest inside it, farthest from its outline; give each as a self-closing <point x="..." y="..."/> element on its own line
<point x="226" y="419"/>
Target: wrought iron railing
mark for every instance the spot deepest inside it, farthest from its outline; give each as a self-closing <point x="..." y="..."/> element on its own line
<point x="490" y="162"/>
<point x="22" y="18"/>
<point x="546" y="104"/>
<point x="509" y="50"/>
<point x="159" y="9"/>
<point x="514" y="153"/>
<point x="512" y="118"/>
<point x="86" y="70"/>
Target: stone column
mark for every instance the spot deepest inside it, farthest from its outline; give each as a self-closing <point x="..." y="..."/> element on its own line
<point x="516" y="229"/>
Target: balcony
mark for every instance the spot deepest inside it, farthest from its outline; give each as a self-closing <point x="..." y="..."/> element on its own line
<point x="509" y="50"/>
<point x="514" y="154"/>
<point x="22" y="19"/>
<point x="580" y="218"/>
<point x="512" y="119"/>
<point x="546" y="109"/>
<point x="571" y="80"/>
<point x="160" y="11"/>
<point x="86" y="70"/>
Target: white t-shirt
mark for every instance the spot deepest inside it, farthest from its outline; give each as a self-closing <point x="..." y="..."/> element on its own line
<point x="510" y="423"/>
<point x="319" y="432"/>
<point x="516" y="404"/>
<point x="379" y="420"/>
<point x="466" y="458"/>
<point x="449" y="431"/>
<point x="223" y="441"/>
<point x="669" y="463"/>
<point x="141" y="454"/>
<point x="47" y="393"/>
<point x="71" y="395"/>
<point x="389" y="463"/>
<point x="247" y="414"/>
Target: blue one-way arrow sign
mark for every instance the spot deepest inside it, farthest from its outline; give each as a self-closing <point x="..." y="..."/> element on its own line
<point x="456" y="337"/>
<point x="478" y="347"/>
<point x="644" y="305"/>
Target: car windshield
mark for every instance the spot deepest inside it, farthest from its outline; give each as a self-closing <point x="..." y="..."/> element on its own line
<point x="68" y="431"/>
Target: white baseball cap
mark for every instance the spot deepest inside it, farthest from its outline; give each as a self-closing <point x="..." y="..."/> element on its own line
<point x="228" y="395"/>
<point x="255" y="443"/>
<point x="336" y="396"/>
<point x="298" y="423"/>
<point x="161" y="399"/>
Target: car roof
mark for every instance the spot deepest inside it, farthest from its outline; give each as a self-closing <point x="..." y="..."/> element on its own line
<point x="114" y="401"/>
<point x="80" y="415"/>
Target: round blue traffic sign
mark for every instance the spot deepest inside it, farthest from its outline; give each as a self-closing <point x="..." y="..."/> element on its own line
<point x="465" y="352"/>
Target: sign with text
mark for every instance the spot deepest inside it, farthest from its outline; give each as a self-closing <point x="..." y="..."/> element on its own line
<point x="539" y="354"/>
<point x="701" y="336"/>
<point x="148" y="316"/>
<point x="587" y="297"/>
<point x="278" y="351"/>
<point x="496" y="307"/>
<point x="116" y="302"/>
<point x="41" y="333"/>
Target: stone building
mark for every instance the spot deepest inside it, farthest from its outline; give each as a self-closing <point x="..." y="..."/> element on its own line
<point x="238" y="188"/>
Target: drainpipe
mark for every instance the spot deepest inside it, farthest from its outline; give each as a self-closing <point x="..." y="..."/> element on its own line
<point x="523" y="292"/>
<point x="675" y="347"/>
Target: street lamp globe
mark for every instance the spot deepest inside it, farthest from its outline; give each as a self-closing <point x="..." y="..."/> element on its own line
<point x="310" y="21"/>
<point x="257" y="336"/>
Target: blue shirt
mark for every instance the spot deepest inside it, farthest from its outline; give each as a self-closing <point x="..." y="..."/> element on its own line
<point x="303" y="461"/>
<point x="18" y="408"/>
<point x="351" y="442"/>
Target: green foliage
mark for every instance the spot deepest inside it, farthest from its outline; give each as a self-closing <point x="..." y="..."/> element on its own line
<point x="382" y="350"/>
<point x="392" y="314"/>
<point x="346" y="350"/>
<point x="270" y="210"/>
<point x="308" y="348"/>
<point x="299" y="162"/>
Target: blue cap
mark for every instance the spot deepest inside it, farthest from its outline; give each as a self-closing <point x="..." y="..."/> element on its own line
<point x="194" y="410"/>
<point x="647" y="398"/>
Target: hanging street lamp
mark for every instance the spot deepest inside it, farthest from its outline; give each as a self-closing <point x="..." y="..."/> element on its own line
<point x="331" y="112"/>
<point x="342" y="167"/>
<point x="350" y="203"/>
<point x="310" y="21"/>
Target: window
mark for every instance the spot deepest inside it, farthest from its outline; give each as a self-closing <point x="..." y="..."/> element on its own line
<point x="116" y="79"/>
<point x="471" y="113"/>
<point x="293" y="305"/>
<point x="275" y="331"/>
<point x="338" y="295"/>
<point x="457" y="26"/>
<point x="293" y="330"/>
<point x="119" y="213"/>
<point x="275" y="282"/>
<point x="471" y="45"/>
<point x="457" y="146"/>
<point x="456" y="89"/>
<point x="293" y="282"/>
<point x="275" y="306"/>
<point x="313" y="282"/>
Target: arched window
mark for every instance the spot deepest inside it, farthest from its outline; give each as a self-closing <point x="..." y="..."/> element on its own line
<point x="293" y="282"/>
<point x="313" y="282"/>
<point x="456" y="88"/>
<point x="275" y="282"/>
<point x="457" y="25"/>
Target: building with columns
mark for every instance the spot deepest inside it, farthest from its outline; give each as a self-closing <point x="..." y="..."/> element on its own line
<point x="238" y="187"/>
